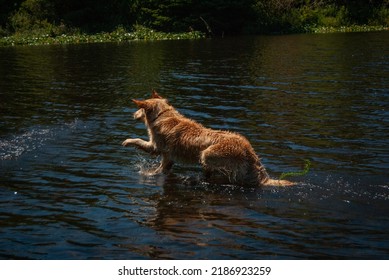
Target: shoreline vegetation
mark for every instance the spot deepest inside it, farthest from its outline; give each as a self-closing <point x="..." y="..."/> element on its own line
<point x="54" y="22"/>
<point x="146" y="34"/>
<point x="116" y="36"/>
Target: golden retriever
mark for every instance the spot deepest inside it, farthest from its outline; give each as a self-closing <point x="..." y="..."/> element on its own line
<point x="179" y="139"/>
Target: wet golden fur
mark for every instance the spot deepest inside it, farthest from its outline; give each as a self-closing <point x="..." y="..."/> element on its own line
<point x="179" y="139"/>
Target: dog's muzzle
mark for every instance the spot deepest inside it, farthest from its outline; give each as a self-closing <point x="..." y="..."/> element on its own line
<point x="140" y="114"/>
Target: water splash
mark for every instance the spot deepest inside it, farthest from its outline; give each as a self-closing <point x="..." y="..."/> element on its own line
<point x="33" y="139"/>
<point x="145" y="166"/>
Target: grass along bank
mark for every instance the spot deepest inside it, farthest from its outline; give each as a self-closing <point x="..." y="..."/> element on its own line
<point x="144" y="33"/>
<point x="118" y="35"/>
<point x="351" y="28"/>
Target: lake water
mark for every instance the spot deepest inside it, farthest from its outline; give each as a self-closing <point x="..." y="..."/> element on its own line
<point x="69" y="190"/>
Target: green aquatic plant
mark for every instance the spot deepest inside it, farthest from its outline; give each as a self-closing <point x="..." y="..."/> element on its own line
<point x="349" y="28"/>
<point x="300" y="173"/>
<point x="120" y="34"/>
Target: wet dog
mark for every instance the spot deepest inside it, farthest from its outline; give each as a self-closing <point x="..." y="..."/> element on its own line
<point x="179" y="139"/>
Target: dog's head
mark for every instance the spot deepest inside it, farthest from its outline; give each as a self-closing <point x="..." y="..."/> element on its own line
<point x="152" y="108"/>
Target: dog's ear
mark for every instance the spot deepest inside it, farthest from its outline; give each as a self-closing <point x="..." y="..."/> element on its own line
<point x="139" y="103"/>
<point x="155" y="94"/>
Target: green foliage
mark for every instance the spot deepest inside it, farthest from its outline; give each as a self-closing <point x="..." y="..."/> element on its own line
<point x="349" y="28"/>
<point x="33" y="15"/>
<point x="118" y="35"/>
<point x="280" y="16"/>
<point x="381" y="16"/>
<point x="153" y="18"/>
<point x="229" y="16"/>
<point x="271" y="16"/>
<point x="307" y="18"/>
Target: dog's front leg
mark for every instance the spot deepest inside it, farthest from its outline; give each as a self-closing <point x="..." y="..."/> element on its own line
<point x="165" y="166"/>
<point x="140" y="144"/>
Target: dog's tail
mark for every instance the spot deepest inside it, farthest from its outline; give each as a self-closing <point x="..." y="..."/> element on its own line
<point x="265" y="180"/>
<point x="277" y="183"/>
<point x="262" y="178"/>
<point x="285" y="183"/>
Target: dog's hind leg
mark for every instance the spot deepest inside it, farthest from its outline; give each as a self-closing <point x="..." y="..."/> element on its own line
<point x="140" y="144"/>
<point x="224" y="159"/>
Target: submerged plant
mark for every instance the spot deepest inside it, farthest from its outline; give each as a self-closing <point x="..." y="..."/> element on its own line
<point x="300" y="173"/>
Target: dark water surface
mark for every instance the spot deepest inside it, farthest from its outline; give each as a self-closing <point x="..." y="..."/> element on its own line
<point x="69" y="190"/>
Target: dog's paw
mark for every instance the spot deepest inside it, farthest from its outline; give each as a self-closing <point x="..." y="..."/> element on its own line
<point x="127" y="142"/>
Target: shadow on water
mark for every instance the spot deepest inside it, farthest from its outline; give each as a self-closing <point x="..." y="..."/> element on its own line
<point x="70" y="191"/>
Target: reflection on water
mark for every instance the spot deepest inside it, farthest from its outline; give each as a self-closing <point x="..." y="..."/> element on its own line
<point x="70" y="191"/>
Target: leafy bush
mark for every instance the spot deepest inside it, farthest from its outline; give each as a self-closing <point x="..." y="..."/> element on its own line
<point x="307" y="18"/>
<point x="33" y="15"/>
<point x="280" y="16"/>
<point x="274" y="16"/>
<point x="381" y="16"/>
